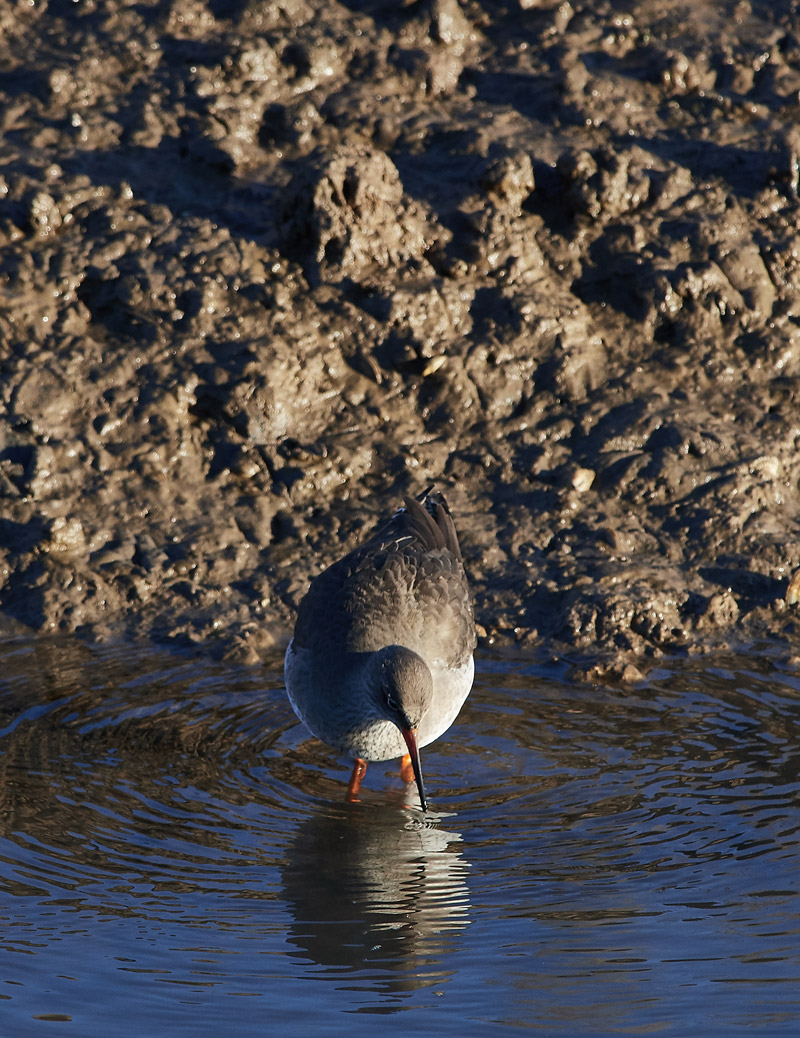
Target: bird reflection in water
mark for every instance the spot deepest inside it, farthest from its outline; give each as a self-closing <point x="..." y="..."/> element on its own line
<point x="377" y="891"/>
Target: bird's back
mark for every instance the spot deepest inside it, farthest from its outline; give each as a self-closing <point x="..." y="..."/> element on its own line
<point x="405" y="585"/>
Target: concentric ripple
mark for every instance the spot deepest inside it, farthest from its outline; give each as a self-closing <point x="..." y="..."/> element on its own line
<point x="597" y="861"/>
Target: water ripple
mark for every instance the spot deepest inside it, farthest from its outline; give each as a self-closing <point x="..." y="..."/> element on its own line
<point x="579" y="835"/>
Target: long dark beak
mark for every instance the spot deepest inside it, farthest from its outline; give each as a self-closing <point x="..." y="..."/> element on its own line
<point x="411" y="742"/>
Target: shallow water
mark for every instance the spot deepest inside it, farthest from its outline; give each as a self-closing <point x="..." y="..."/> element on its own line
<point x="176" y="856"/>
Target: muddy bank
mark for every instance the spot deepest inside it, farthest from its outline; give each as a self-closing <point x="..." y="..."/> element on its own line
<point x="265" y="268"/>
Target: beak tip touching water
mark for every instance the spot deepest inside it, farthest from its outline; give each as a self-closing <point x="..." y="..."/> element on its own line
<point x="410" y="737"/>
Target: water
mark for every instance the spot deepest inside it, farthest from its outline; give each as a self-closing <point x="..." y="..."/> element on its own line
<point x="176" y="856"/>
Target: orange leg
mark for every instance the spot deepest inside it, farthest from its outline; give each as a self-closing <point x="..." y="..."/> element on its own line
<point x="406" y="770"/>
<point x="359" y="771"/>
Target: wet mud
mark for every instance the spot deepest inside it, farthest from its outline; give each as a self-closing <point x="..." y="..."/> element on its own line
<point x="264" y="268"/>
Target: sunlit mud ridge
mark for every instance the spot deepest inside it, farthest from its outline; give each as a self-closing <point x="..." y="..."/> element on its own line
<point x="265" y="268"/>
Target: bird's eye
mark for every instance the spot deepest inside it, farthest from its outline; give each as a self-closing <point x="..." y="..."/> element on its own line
<point x="391" y="702"/>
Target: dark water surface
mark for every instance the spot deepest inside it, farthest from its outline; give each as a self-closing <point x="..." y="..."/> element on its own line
<point x="176" y="857"/>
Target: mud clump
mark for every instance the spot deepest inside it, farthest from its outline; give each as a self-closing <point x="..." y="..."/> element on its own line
<point x="347" y="214"/>
<point x="266" y="268"/>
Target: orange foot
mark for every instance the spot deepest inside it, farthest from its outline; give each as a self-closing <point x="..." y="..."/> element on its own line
<point x="359" y="771"/>
<point x="406" y="769"/>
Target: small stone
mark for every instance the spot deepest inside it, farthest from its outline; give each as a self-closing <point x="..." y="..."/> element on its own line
<point x="582" y="479"/>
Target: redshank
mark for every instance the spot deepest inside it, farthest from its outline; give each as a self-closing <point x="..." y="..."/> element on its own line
<point x="381" y="659"/>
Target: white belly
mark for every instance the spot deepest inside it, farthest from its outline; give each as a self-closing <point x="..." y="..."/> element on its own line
<point x="379" y="739"/>
<point x="451" y="687"/>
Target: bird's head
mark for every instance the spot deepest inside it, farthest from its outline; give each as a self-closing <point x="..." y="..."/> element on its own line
<point x="404" y="689"/>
